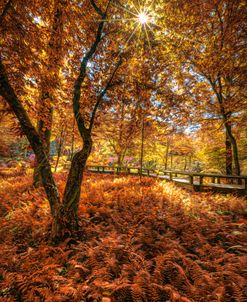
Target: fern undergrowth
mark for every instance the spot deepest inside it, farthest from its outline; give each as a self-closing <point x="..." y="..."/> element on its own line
<point x="138" y="241"/>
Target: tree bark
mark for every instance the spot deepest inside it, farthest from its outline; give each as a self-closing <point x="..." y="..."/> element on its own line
<point x="72" y="141"/>
<point x="119" y="159"/>
<point x="237" y="170"/>
<point x="47" y="179"/>
<point x="142" y="142"/>
<point x="72" y="191"/>
<point x="166" y="154"/>
<point x="227" y="123"/>
<point x="228" y="155"/>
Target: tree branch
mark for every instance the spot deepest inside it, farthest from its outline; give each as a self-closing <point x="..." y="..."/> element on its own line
<point x="77" y="86"/>
<point x="5" y="10"/>
<point x="97" y="9"/>
<point x="101" y="95"/>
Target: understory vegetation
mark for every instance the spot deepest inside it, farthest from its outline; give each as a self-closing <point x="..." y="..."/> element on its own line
<point x="138" y="240"/>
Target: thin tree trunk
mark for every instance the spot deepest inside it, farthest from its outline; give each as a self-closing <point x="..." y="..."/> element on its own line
<point x="228" y="155"/>
<point x="232" y="139"/>
<point x="185" y="163"/>
<point x="142" y="143"/>
<point x="60" y="147"/>
<point x="227" y="123"/>
<point x="119" y="160"/>
<point x="166" y="154"/>
<point x="171" y="161"/>
<point x="189" y="163"/>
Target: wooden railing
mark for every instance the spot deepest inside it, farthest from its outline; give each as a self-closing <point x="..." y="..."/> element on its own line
<point x="197" y="180"/>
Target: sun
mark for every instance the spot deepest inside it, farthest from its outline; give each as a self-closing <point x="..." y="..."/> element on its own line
<point x="143" y="17"/>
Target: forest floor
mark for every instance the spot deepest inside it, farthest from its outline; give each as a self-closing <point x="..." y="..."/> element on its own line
<point x="138" y="241"/>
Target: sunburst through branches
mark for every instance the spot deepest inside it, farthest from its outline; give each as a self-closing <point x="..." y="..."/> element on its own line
<point x="142" y="17"/>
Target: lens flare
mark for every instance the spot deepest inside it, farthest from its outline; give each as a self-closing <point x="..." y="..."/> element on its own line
<point x="143" y="18"/>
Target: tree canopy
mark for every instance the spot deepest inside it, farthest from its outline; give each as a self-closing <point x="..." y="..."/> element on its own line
<point x="150" y="83"/>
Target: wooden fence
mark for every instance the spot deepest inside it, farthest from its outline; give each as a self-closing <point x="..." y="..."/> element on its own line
<point x="196" y="181"/>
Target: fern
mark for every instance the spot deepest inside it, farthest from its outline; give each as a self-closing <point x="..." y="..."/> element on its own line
<point x="144" y="242"/>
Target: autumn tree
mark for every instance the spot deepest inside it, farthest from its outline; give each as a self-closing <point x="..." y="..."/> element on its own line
<point x="65" y="212"/>
<point x="120" y="128"/>
<point x="209" y="40"/>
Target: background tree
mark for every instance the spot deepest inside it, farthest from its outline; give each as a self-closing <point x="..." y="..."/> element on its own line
<point x="209" y="41"/>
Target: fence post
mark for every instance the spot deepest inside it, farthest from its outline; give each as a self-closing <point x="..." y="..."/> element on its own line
<point x="245" y="183"/>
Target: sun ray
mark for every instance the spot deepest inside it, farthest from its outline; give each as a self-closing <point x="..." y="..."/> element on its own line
<point x="143" y="18"/>
<point x="116" y="20"/>
<point x="131" y="35"/>
<point x="127" y="41"/>
<point x="145" y="3"/>
<point x="137" y="12"/>
<point x="123" y="8"/>
<point x="150" y="5"/>
<point x="157" y="25"/>
<point x="149" y="44"/>
<point x="139" y="4"/>
<point x="150" y="28"/>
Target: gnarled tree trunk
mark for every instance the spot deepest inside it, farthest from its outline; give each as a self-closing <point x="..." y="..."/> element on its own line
<point x="64" y="214"/>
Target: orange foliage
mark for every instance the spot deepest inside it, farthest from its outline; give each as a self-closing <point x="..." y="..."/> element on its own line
<point x="138" y="241"/>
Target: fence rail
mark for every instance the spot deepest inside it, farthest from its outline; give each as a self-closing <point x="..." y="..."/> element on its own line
<point x="196" y="181"/>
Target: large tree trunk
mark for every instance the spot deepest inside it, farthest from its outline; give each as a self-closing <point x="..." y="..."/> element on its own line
<point x="72" y="191"/>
